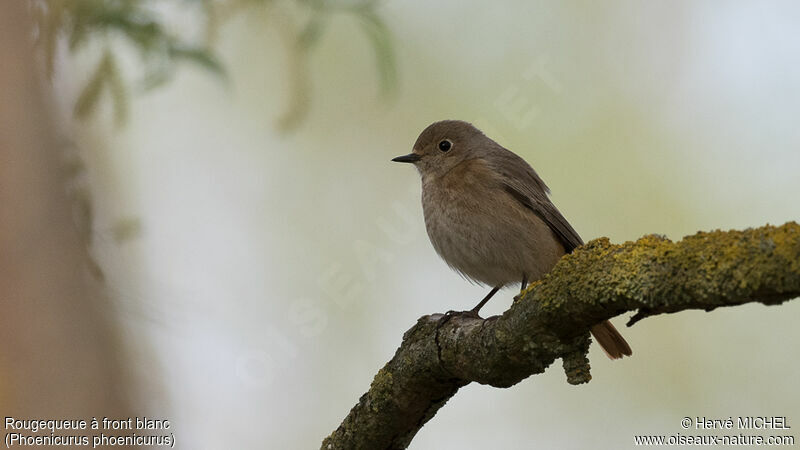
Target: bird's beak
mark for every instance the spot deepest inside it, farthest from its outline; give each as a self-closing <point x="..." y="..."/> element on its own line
<point x="409" y="158"/>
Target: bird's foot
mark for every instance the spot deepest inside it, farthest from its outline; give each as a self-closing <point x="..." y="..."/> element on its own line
<point x="471" y="313"/>
<point x="452" y="313"/>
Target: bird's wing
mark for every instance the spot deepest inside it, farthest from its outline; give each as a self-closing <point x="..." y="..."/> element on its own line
<point x="521" y="182"/>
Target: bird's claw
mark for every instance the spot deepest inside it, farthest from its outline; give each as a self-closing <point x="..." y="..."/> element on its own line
<point x="452" y="313"/>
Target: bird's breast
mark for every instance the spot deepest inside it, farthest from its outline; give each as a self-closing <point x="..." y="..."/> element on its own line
<point x="484" y="233"/>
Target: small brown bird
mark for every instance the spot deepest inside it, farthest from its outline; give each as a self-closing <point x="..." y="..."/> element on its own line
<point x="488" y="214"/>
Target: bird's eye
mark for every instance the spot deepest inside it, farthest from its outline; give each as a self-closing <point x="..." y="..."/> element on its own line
<point x="445" y="145"/>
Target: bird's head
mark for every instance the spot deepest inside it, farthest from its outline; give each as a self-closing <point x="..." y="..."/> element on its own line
<point x="443" y="145"/>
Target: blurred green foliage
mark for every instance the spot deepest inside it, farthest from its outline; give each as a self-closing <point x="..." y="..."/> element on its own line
<point x="144" y="25"/>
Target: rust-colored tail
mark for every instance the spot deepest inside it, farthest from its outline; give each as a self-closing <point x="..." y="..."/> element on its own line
<point x="611" y="341"/>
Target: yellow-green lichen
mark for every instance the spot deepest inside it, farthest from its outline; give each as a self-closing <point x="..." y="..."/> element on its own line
<point x="381" y="389"/>
<point x="704" y="270"/>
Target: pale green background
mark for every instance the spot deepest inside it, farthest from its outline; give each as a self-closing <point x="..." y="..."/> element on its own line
<point x="275" y="274"/>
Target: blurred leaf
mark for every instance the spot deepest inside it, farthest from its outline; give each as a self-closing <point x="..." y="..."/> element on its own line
<point x="83" y="213"/>
<point x="78" y="36"/>
<point x="311" y="33"/>
<point x="119" y="94"/>
<point x="126" y="229"/>
<point x="95" y="269"/>
<point x="128" y="18"/>
<point x="48" y="35"/>
<point x="200" y="56"/>
<point x="138" y="24"/>
<point x="299" y="84"/>
<point x="88" y="98"/>
<point x="106" y="74"/>
<point x="147" y="36"/>
<point x="73" y="168"/>
<point x="380" y="38"/>
<point x="156" y="78"/>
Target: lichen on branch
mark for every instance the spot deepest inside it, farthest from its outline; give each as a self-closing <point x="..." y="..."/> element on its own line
<point x="552" y="317"/>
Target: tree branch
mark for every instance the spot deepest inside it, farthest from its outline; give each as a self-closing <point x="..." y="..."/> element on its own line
<point x="551" y="320"/>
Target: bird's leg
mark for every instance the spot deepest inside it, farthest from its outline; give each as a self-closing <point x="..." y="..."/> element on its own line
<point x="524" y="282"/>
<point x="478" y="307"/>
<point x="473" y="312"/>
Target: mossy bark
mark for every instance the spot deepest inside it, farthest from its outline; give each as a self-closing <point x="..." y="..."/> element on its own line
<point x="552" y="317"/>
